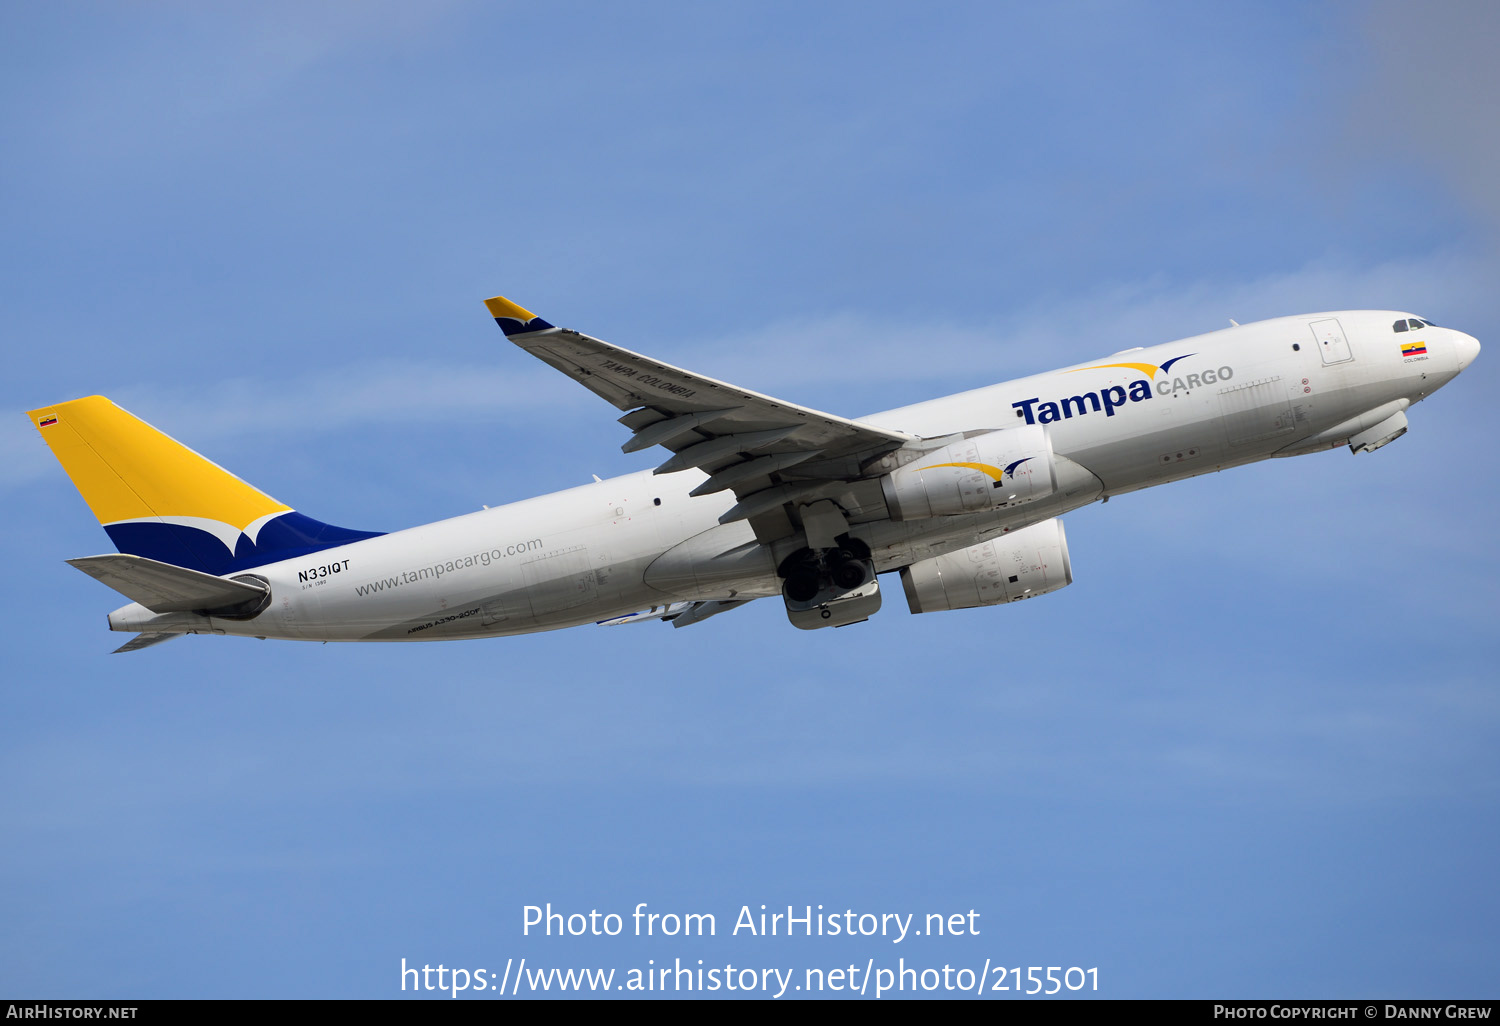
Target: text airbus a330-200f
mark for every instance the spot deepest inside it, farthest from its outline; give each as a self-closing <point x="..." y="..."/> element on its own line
<point x="757" y="497"/>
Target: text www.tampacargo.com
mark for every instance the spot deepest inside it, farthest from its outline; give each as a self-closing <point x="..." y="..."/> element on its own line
<point x="437" y="570"/>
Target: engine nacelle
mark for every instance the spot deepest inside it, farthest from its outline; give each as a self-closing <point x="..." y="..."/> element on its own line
<point x="1008" y="467"/>
<point x="1023" y="564"/>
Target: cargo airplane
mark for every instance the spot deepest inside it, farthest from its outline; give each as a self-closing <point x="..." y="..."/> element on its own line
<point x="959" y="497"/>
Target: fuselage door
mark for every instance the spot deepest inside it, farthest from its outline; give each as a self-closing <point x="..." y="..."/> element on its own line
<point x="1331" y="341"/>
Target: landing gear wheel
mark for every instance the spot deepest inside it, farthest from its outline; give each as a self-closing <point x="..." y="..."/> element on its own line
<point x="849" y="574"/>
<point x="802" y="585"/>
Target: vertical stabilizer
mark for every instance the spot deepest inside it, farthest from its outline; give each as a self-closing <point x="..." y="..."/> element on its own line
<point x="159" y="499"/>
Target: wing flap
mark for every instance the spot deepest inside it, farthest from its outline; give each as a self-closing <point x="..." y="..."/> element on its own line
<point x="669" y="429"/>
<point x="753" y="504"/>
<point x="713" y="451"/>
<point x="757" y="466"/>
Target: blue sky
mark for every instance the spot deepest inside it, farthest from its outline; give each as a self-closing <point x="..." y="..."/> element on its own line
<point x="1250" y="752"/>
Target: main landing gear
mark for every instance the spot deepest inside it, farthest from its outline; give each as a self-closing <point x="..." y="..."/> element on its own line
<point x="832" y="587"/>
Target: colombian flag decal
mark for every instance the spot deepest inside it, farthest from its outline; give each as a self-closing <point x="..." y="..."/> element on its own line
<point x="1413" y="348"/>
<point x="46" y="422"/>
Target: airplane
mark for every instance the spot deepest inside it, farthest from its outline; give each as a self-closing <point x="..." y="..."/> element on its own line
<point x="959" y="497"/>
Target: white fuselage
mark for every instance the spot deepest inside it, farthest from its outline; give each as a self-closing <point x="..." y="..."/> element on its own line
<point x="638" y="541"/>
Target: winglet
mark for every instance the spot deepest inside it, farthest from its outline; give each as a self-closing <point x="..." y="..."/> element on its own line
<point x="514" y="319"/>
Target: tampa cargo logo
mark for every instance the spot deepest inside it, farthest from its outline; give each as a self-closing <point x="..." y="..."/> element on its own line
<point x="987" y="468"/>
<point x="1115" y="396"/>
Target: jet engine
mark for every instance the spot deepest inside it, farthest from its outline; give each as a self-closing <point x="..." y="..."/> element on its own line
<point x="1008" y="467"/>
<point x="1023" y="564"/>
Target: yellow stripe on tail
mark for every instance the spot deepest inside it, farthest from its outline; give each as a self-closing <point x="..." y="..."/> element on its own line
<point x="128" y="470"/>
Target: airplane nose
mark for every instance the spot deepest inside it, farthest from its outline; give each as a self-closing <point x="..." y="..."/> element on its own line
<point x="1467" y="347"/>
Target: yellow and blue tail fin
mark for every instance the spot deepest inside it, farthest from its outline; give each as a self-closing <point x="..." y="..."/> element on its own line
<point x="157" y="498"/>
<point x="513" y="318"/>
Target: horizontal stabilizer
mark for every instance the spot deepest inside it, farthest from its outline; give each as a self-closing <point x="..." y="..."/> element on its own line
<point x="164" y="588"/>
<point x="144" y="641"/>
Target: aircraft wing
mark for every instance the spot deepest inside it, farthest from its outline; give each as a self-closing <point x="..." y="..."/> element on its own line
<point x="768" y="452"/>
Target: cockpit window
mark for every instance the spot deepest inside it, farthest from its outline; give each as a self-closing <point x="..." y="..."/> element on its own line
<point x="1412" y="324"/>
